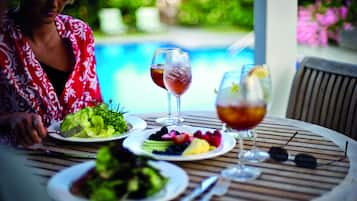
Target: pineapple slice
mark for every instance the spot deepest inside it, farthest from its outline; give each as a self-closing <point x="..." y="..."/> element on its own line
<point x="197" y="146"/>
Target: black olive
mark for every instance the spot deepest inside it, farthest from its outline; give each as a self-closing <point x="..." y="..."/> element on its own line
<point x="278" y="154"/>
<point x="305" y="161"/>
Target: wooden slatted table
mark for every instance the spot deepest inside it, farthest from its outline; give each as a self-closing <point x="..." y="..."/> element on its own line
<point x="279" y="181"/>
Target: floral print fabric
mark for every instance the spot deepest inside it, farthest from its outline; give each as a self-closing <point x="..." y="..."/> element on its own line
<point x="25" y="87"/>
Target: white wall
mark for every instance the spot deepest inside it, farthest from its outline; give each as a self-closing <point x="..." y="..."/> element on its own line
<point x="275" y="44"/>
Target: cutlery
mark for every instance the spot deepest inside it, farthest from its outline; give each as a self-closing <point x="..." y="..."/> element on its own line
<point x="68" y="133"/>
<point x="53" y="153"/>
<point x="220" y="188"/>
<point x="200" y="188"/>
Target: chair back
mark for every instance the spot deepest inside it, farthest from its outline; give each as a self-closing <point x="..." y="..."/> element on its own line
<point x="148" y="19"/>
<point x="111" y="21"/>
<point x="324" y="92"/>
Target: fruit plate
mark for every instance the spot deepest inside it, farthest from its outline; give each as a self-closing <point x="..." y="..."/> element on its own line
<point x="135" y="141"/>
<point x="136" y="124"/>
<point x="59" y="185"/>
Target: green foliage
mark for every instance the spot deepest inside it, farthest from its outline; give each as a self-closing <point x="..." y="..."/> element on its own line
<point x="87" y="10"/>
<point x="127" y="8"/>
<point x="217" y="13"/>
<point x="11" y="3"/>
<point x="352" y="13"/>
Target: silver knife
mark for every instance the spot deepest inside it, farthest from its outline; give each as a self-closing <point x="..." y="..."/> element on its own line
<point x="200" y="188"/>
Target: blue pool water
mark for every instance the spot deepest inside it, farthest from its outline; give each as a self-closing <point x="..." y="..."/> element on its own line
<point x="124" y="75"/>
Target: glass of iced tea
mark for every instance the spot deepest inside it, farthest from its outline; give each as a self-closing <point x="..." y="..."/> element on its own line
<point x="263" y="74"/>
<point x="177" y="77"/>
<point x="241" y="105"/>
<point x="157" y="75"/>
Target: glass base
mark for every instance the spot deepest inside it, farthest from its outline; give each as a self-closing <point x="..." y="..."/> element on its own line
<point x="255" y="155"/>
<point x="166" y="121"/>
<point x="241" y="173"/>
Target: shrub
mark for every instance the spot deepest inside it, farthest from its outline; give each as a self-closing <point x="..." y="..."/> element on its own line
<point x="216" y="13"/>
<point x="87" y="10"/>
<point x="320" y="21"/>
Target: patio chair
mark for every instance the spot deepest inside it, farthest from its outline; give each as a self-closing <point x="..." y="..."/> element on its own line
<point x="148" y="19"/>
<point x="324" y="92"/>
<point x="111" y="21"/>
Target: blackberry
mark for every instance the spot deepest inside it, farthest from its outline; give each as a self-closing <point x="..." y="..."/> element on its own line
<point x="157" y="135"/>
<point x="164" y="130"/>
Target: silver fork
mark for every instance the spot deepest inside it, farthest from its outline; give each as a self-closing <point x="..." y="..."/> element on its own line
<point x="219" y="189"/>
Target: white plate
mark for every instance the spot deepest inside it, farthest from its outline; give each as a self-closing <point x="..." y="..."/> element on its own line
<point x="134" y="143"/>
<point x="59" y="185"/>
<point x="137" y="124"/>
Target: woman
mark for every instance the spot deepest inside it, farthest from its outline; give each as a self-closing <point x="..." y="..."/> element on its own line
<point x="47" y="69"/>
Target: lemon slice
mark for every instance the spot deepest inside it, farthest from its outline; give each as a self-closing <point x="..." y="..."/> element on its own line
<point x="260" y="72"/>
<point x="234" y="87"/>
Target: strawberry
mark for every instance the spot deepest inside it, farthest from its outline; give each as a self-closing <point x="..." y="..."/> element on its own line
<point x="200" y="135"/>
<point x="215" y="138"/>
<point x="216" y="132"/>
<point x="182" y="138"/>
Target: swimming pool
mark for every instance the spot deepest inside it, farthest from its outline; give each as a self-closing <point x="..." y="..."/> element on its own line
<point x="124" y="75"/>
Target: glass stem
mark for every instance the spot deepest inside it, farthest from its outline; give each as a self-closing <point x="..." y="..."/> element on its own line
<point x="224" y="127"/>
<point x="169" y="113"/>
<point x="241" y="150"/>
<point x="254" y="133"/>
<point x="178" y="109"/>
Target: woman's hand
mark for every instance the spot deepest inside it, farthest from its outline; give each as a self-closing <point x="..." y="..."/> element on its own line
<point x="27" y="128"/>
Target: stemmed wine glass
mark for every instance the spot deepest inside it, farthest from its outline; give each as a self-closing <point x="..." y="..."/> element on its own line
<point x="177" y="77"/>
<point x="157" y="75"/>
<point x="241" y="105"/>
<point x="262" y="72"/>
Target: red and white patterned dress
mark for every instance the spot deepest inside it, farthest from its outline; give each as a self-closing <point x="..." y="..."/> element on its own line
<point x="25" y="87"/>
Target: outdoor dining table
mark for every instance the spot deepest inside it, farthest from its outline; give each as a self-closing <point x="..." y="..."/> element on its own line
<point x="278" y="181"/>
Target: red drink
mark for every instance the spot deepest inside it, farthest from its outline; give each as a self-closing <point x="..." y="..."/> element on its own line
<point x="178" y="80"/>
<point x="157" y="75"/>
<point x="241" y="117"/>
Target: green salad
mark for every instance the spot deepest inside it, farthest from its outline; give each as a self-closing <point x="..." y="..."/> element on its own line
<point x="119" y="174"/>
<point x="97" y="121"/>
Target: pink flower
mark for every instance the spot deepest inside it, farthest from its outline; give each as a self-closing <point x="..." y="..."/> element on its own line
<point x="317" y="24"/>
<point x="347" y="26"/>
<point x="333" y="35"/>
<point x="343" y="12"/>
<point x="323" y="37"/>
<point x="304" y="13"/>
<point x="306" y="32"/>
<point x="329" y="18"/>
